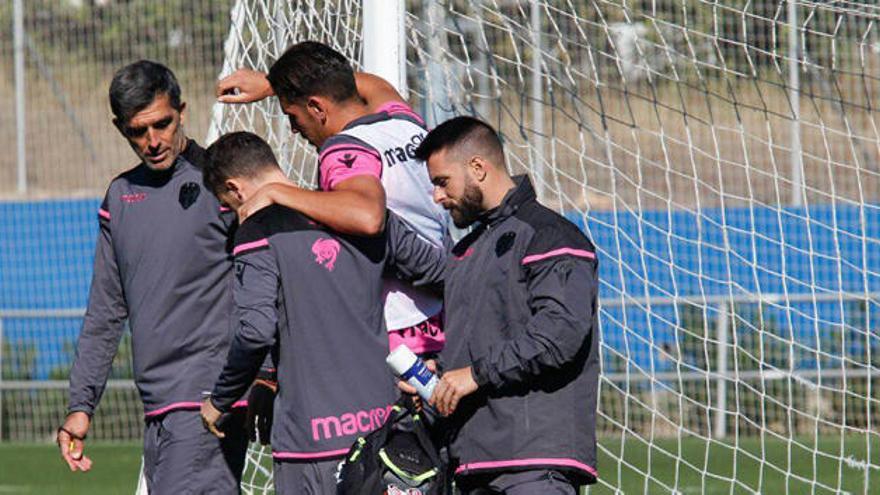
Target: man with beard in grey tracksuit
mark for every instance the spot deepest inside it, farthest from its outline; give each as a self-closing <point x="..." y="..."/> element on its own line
<point x="519" y="372"/>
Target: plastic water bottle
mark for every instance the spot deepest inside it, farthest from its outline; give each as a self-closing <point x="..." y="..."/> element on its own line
<point x="413" y="370"/>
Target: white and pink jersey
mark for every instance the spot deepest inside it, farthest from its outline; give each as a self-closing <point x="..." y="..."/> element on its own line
<point x="383" y="145"/>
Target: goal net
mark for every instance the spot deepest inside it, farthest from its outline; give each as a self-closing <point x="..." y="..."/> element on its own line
<point x="724" y="156"/>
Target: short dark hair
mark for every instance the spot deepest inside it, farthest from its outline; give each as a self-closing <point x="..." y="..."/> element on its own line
<point x="460" y="131"/>
<point x="136" y="85"/>
<point x="311" y="68"/>
<point x="237" y="154"/>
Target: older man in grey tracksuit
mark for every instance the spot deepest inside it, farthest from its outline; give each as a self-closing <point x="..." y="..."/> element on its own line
<point x="521" y="362"/>
<point x="161" y="263"/>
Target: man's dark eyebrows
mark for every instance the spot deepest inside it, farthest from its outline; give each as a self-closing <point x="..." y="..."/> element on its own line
<point x="137" y="131"/>
<point x="133" y="131"/>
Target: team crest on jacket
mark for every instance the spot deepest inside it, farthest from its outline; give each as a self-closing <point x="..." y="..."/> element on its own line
<point x="325" y="251"/>
<point x="189" y="193"/>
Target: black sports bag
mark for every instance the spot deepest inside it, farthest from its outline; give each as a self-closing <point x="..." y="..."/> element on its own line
<point x="397" y="459"/>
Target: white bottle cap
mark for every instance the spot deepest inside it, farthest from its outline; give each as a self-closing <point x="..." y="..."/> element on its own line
<point x="401" y="359"/>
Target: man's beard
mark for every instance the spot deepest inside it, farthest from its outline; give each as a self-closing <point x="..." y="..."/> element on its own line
<point x="469" y="208"/>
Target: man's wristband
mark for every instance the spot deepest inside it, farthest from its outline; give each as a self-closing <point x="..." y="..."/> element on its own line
<point x="72" y="434"/>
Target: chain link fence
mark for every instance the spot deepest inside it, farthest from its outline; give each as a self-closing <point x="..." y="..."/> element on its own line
<point x="70" y="50"/>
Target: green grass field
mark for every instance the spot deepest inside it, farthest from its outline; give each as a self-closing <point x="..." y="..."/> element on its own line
<point x="692" y="467"/>
<point x="37" y="469"/>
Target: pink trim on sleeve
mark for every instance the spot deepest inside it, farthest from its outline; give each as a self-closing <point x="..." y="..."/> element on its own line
<point x="103" y="213"/>
<point x="559" y="252"/>
<point x="249" y="245"/>
<point x="475" y="466"/>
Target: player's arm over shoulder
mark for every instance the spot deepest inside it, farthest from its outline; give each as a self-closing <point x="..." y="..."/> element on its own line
<point x="353" y="198"/>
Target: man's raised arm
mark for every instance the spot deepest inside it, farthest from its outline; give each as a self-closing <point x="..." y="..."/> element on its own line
<point x="248" y="86"/>
<point x="355" y="206"/>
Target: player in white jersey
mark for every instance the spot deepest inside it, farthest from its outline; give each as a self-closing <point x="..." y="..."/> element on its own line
<point x="366" y="135"/>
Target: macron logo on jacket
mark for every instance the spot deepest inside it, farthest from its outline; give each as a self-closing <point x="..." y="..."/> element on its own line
<point x="349" y="423"/>
<point x="133" y="198"/>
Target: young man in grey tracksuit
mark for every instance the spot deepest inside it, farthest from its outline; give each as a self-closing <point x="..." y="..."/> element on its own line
<point x="313" y="298"/>
<point x="161" y="263"/>
<point x="521" y="360"/>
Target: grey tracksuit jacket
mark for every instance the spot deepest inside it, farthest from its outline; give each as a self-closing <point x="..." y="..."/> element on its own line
<point x="162" y="262"/>
<point x="521" y="294"/>
<point x="313" y="298"/>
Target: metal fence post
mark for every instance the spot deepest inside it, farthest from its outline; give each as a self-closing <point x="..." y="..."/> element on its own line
<point x="20" y="124"/>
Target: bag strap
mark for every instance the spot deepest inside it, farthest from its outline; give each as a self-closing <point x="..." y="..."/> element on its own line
<point x="420" y="429"/>
<point x="378" y="436"/>
<point x="424" y="439"/>
<point x="397" y="412"/>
